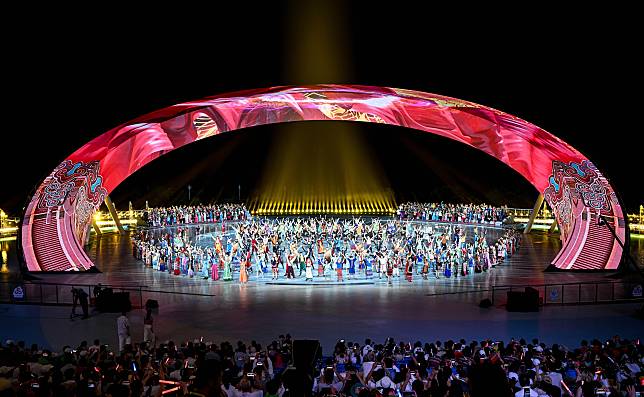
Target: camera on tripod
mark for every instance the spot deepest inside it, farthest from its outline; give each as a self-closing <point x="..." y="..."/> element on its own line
<point x="79" y="296"/>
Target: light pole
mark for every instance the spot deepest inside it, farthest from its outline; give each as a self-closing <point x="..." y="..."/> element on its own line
<point x="189" y="187"/>
<point x="239" y="193"/>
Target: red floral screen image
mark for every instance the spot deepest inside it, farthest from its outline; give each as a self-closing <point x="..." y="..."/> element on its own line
<point x="55" y="224"/>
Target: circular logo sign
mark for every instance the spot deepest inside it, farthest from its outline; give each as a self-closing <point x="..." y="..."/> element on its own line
<point x="554" y="295"/>
<point x="18" y="293"/>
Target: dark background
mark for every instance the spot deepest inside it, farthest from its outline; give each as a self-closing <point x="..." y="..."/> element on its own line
<point x="71" y="74"/>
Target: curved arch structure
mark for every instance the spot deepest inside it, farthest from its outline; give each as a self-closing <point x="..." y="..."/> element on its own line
<point x="57" y="219"/>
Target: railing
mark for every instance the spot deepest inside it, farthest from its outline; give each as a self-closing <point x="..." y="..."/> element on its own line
<point x="576" y="293"/>
<point x="59" y="294"/>
<point x="8" y="226"/>
<point x="636" y="221"/>
<point x="130" y="214"/>
<point x="44" y="293"/>
<point x="594" y="292"/>
<point x="580" y="293"/>
<point x="543" y="213"/>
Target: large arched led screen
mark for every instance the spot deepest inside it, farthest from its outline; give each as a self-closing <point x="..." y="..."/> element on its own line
<point x="57" y="219"/>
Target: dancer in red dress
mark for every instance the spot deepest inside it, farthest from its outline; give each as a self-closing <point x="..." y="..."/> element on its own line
<point x="215" y="268"/>
<point x="390" y="270"/>
<point x="409" y="268"/>
<point x="339" y="264"/>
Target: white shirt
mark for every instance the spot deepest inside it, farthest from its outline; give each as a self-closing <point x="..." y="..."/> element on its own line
<point x="384" y="382"/>
<point x="556" y="379"/>
<point x="366" y="367"/>
<point x="230" y="392"/>
<point x="268" y="364"/>
<point x="633" y="367"/>
<point x="319" y="385"/>
<point x="522" y="393"/>
<point x="123" y="325"/>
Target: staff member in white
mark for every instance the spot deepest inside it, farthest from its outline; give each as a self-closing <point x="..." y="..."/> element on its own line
<point x="148" y="332"/>
<point x="526" y="390"/>
<point x="123" y="330"/>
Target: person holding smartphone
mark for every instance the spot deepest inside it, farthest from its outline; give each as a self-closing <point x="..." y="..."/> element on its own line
<point x="379" y="378"/>
<point x="526" y="390"/>
<point x="350" y="380"/>
<point x="245" y="387"/>
<point x="327" y="381"/>
<point x="150" y="381"/>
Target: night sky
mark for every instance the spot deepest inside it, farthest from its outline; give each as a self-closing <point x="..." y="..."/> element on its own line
<point x="69" y="78"/>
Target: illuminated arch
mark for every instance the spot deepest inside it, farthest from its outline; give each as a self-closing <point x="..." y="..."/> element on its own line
<point x="57" y="219"/>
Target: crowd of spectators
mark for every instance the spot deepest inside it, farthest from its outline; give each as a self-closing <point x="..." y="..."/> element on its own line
<point x="453" y="368"/>
<point x="181" y="215"/>
<point x="453" y="213"/>
<point x="438" y="212"/>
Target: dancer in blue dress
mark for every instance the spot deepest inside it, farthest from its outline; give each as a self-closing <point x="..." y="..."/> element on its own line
<point x="352" y="265"/>
<point x="368" y="267"/>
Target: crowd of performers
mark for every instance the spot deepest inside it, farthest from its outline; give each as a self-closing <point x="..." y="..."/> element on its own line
<point x="180" y="215"/>
<point x="330" y="248"/>
<point x="456" y="213"/>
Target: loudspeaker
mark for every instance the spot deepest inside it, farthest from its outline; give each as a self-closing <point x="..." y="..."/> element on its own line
<point x="116" y="302"/>
<point x="531" y="299"/>
<point x="305" y="353"/>
<point x="485" y="303"/>
<point x="515" y="301"/>
<point x="527" y="301"/>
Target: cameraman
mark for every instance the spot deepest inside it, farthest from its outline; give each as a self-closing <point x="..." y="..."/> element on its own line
<point x="79" y="296"/>
<point x="82" y="297"/>
<point x="74" y="292"/>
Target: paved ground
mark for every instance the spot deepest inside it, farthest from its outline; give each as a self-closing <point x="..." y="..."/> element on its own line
<point x="327" y="315"/>
<point x="229" y="311"/>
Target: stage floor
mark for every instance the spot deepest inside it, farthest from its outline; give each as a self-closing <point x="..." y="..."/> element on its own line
<point x="260" y="311"/>
<point x="112" y="255"/>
